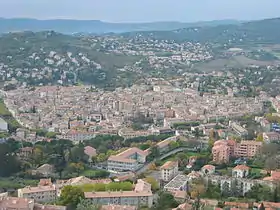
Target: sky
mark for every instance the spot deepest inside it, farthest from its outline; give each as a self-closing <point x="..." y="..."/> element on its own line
<point x="141" y="10"/>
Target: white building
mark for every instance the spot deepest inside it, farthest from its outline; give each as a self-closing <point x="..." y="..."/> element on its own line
<point x="178" y="183"/>
<point x="240" y="171"/>
<point x="41" y="194"/>
<point x="140" y="196"/>
<point x="128" y="160"/>
<point x="169" y="170"/>
<point x="3" y="125"/>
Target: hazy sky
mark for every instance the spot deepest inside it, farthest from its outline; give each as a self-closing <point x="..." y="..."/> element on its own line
<point x="141" y="10"/>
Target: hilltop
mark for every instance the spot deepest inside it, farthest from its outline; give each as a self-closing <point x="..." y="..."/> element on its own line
<point x="95" y="26"/>
<point x="120" y="60"/>
<point x="256" y="32"/>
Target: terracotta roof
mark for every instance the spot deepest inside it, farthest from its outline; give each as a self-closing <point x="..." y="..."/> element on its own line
<point x="116" y="194"/>
<point x="48" y="207"/>
<point x="38" y="189"/>
<point x="209" y="167"/>
<point x="169" y="165"/>
<point x="90" y="151"/>
<point x="132" y="151"/>
<point x="241" y="167"/>
<point x="237" y="204"/>
<point x="15" y="203"/>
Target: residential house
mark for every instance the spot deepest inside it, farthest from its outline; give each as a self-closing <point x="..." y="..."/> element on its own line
<point x="169" y="170"/>
<point x="208" y="169"/>
<point x="269" y="137"/>
<point x="240" y="171"/>
<point x="90" y="152"/>
<point x="25" y="152"/>
<point x="13" y="203"/>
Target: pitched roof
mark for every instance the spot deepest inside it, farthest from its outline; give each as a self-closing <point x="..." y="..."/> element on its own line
<point x="241" y="167"/>
<point x="169" y="165"/>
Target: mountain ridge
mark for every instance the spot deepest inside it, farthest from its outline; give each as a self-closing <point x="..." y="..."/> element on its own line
<point x="70" y="26"/>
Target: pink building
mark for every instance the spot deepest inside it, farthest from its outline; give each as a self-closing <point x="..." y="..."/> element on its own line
<point x="224" y="149"/>
<point x="221" y="151"/>
<point x="247" y="149"/>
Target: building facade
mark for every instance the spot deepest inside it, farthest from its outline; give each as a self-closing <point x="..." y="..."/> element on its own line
<point x="169" y="170"/>
<point x="41" y="194"/>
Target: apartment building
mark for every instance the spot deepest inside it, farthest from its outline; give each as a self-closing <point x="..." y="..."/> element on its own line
<point x="221" y="151"/>
<point x="128" y="160"/>
<point x="244" y="184"/>
<point x="169" y="170"/>
<point x="41" y="194"/>
<point x="140" y="196"/>
<point x="247" y="149"/>
<point x="224" y="149"/>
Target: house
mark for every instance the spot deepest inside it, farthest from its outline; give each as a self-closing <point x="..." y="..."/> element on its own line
<point x="140" y="196"/>
<point x="240" y="171"/>
<point x="274" y="176"/>
<point x="3" y="125"/>
<point x="90" y="152"/>
<point x="25" y="152"/>
<point x="169" y="170"/>
<point x="48" y="207"/>
<point x="269" y="137"/>
<point x="14" y="203"/>
<point x="127" y="160"/>
<point x="208" y="169"/>
<point x="41" y="194"/>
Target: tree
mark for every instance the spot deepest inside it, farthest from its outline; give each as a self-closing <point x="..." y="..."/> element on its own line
<point x="260" y="137"/>
<point x="153" y="182"/>
<point x="165" y="201"/>
<point x="8" y="162"/>
<point x="71" y="196"/>
<point x="154" y="152"/>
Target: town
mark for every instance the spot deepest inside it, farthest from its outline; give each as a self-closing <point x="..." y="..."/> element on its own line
<point x="172" y="143"/>
<point x="187" y="119"/>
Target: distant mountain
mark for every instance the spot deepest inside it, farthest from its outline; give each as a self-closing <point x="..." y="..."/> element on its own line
<point x="256" y="32"/>
<point x="96" y="26"/>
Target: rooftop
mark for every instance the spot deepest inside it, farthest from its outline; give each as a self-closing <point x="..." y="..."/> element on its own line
<point x="177" y="182"/>
<point x="169" y="165"/>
